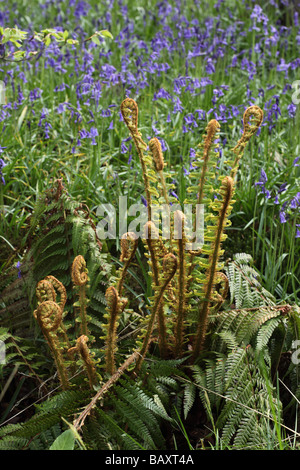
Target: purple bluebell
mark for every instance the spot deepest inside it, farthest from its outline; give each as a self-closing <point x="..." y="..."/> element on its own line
<point x="262" y="182"/>
<point x="18" y="266"/>
<point x="2" y="164"/>
<point x="282" y="217"/>
<point x="124" y="148"/>
<point x="292" y="108"/>
<point x="161" y="94"/>
<point x="92" y="134"/>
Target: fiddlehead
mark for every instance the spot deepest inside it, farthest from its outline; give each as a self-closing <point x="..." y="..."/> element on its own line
<point x="129" y="244"/>
<point x="129" y="110"/>
<point x="48" y="289"/>
<point x="249" y="130"/>
<point x="45" y="291"/>
<point x="49" y="316"/>
<point x="82" y="349"/>
<point x="80" y="278"/>
<point x="159" y="164"/>
<point x="60" y="288"/>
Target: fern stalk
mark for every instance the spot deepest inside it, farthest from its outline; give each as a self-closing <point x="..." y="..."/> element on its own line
<point x="80" y="279"/>
<point x="169" y="270"/>
<point x="49" y="316"/>
<point x="181" y="282"/>
<point x="129" y="243"/>
<point x="227" y="190"/>
<point x="249" y="130"/>
<point x="129" y="110"/>
<point x="158" y="159"/>
<point x="157" y="251"/>
<point x="82" y="349"/>
<point x="113" y="309"/>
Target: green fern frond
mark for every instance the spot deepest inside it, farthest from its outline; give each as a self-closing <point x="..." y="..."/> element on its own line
<point x="49" y="413"/>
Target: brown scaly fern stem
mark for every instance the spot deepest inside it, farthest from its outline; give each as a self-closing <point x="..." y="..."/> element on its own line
<point x="80" y="278"/>
<point x="181" y="282"/>
<point x="49" y="316"/>
<point x="249" y="130"/>
<point x="82" y="349"/>
<point x="129" y="110"/>
<point x="227" y="192"/>
<point x="211" y="130"/>
<point x="114" y="307"/>
<point x="79" y="422"/>
<point x="129" y="244"/>
<point x="159" y="164"/>
<point x="157" y="251"/>
<point x="169" y="270"/>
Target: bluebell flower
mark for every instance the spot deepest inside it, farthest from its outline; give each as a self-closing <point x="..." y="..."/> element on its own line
<point x="295" y="202"/>
<point x="174" y="194"/>
<point x="18" y="266"/>
<point x="60" y="108"/>
<point x="162" y="93"/>
<point x="282" y="217"/>
<point x="292" y="108"/>
<point x="92" y="134"/>
<point x="178" y="108"/>
<point x="261" y="183"/>
<point x="124" y="148"/>
<point x="2" y="164"/>
<point x="83" y="134"/>
<point x="210" y="68"/>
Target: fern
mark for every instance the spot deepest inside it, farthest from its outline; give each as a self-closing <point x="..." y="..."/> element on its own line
<point x="49" y="414"/>
<point x="242" y="396"/>
<point x="61" y="229"/>
<point x="134" y="411"/>
<point x="245" y="286"/>
<point x="185" y="313"/>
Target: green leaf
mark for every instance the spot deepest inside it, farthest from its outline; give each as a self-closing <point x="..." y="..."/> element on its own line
<point x="65" y="441"/>
<point x="105" y="34"/>
<point x="95" y="39"/>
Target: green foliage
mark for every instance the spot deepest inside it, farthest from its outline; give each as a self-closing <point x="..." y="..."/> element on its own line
<point x="46" y="419"/>
<point x="245" y="283"/>
<point x="17" y="37"/>
<point x="237" y="387"/>
<point x="186" y="338"/>
<point x="65" y="441"/>
<point x="61" y="229"/>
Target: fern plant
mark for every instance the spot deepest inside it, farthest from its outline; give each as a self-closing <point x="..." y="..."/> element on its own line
<point x="195" y="339"/>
